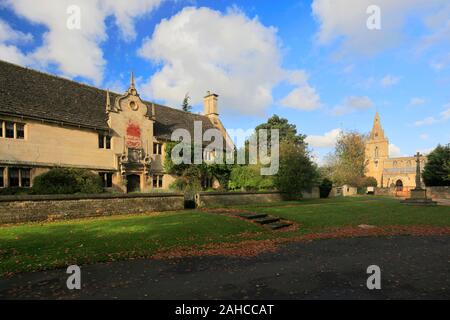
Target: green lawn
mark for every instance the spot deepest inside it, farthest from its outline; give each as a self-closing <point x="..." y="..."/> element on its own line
<point x="35" y="246"/>
<point x="314" y="215"/>
<point x="38" y="246"/>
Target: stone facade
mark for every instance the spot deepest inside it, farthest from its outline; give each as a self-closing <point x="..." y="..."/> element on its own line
<point x="48" y="122"/>
<point x="399" y="173"/>
<point x="42" y="208"/>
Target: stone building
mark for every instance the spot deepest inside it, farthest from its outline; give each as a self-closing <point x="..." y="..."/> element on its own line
<point x="397" y="172"/>
<point x="48" y="121"/>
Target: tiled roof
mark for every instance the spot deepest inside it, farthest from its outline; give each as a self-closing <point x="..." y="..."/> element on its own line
<point x="32" y="94"/>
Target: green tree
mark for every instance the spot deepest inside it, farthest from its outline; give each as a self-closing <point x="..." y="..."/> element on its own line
<point x="186" y="103"/>
<point x="348" y="162"/>
<point x="287" y="131"/>
<point x="297" y="171"/>
<point x="437" y="169"/>
<point x="325" y="188"/>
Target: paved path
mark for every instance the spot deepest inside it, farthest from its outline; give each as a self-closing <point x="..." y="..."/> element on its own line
<point x="412" y="268"/>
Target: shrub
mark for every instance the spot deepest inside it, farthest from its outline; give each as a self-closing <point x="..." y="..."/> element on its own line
<point x="15" y="191"/>
<point x="249" y="178"/>
<point x="67" y="181"/>
<point x="325" y="188"/>
<point x="437" y="169"/>
<point x="297" y="171"/>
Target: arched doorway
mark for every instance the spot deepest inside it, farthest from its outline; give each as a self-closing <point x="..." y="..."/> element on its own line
<point x="399" y="185"/>
<point x="133" y="183"/>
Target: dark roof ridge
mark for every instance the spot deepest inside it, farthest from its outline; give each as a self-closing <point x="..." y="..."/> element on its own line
<point x="89" y="86"/>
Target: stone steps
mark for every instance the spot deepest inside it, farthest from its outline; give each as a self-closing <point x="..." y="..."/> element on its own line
<point x="252" y="216"/>
<point x="267" y="220"/>
<point x="278" y="225"/>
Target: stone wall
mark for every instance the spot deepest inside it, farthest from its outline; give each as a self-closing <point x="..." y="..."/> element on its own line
<point x="438" y="192"/>
<point x="15" y="209"/>
<point x="224" y="199"/>
<point x="432" y="192"/>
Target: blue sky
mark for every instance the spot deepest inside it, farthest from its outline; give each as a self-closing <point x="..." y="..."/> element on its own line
<point x="313" y="62"/>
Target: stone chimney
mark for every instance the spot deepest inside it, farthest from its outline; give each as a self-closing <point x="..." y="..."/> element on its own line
<point x="210" y="104"/>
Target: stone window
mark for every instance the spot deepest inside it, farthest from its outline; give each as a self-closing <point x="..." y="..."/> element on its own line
<point x="14" y="180"/>
<point x="157" y="148"/>
<point x="376" y="152"/>
<point x="9" y="129"/>
<point x="104" y="141"/>
<point x="20" y="131"/>
<point x="12" y="130"/>
<point x="25" y="178"/>
<point x="157" y="181"/>
<point x="2" y="175"/>
<point x="106" y="179"/>
<point x="19" y="177"/>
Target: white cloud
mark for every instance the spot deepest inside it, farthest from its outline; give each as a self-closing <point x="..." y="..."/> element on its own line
<point x="446" y="113"/>
<point x="425" y="122"/>
<point x="353" y="104"/>
<point x="424" y="136"/>
<point x="416" y="101"/>
<point x="12" y="54"/>
<point x="239" y="58"/>
<point x="77" y="52"/>
<point x="425" y="151"/>
<point x="394" y="151"/>
<point x="9" y="38"/>
<point x="303" y="97"/>
<point x="443" y="117"/>
<point x="345" y="21"/>
<point x="8" y="34"/>
<point x="328" y="140"/>
<point x="389" y="80"/>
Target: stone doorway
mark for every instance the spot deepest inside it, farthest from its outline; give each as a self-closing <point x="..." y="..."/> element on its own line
<point x="399" y="186"/>
<point x="133" y="183"/>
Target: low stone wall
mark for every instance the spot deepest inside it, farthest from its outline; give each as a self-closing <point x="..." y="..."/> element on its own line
<point x="438" y="192"/>
<point x="224" y="199"/>
<point x="384" y="191"/>
<point x="432" y="192"/>
<point x="15" y="209"/>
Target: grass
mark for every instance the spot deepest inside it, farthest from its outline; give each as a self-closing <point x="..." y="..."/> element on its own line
<point x="32" y="247"/>
<point x="317" y="215"/>
<point x="39" y="246"/>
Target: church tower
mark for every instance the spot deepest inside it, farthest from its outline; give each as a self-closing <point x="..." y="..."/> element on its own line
<point x="377" y="150"/>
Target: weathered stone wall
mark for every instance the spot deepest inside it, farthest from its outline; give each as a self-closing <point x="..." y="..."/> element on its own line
<point x="385" y="191"/>
<point x="438" y="192"/>
<point x="15" y="209"/>
<point x="432" y="192"/>
<point x="214" y="199"/>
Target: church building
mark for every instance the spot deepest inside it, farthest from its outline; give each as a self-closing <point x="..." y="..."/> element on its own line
<point x="398" y="173"/>
<point x="48" y="121"/>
